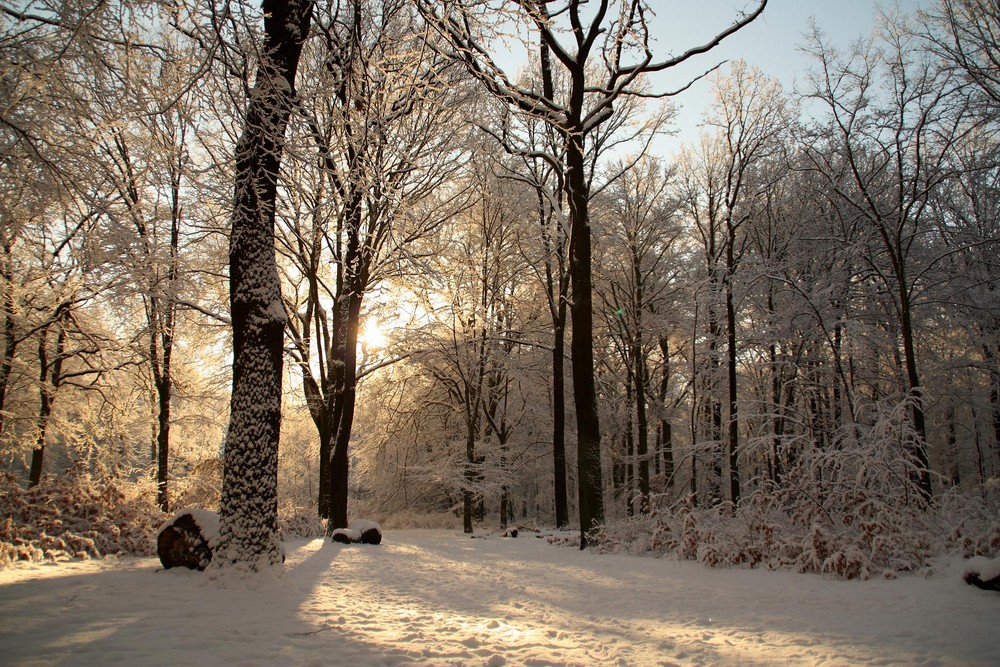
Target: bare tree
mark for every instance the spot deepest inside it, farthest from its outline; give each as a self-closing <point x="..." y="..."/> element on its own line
<point x="966" y="34"/>
<point x="639" y="280"/>
<point x="382" y="136"/>
<point x="885" y="156"/>
<point x="577" y="34"/>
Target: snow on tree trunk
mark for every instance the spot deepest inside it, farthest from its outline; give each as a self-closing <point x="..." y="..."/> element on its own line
<point x="248" y="532"/>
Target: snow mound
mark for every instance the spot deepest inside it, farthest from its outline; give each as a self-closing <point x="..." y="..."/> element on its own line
<point x="206" y="520"/>
<point x="359" y="532"/>
<point x="189" y="539"/>
<point x="983" y="573"/>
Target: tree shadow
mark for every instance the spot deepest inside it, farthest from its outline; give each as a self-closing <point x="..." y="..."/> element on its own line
<point x="136" y="613"/>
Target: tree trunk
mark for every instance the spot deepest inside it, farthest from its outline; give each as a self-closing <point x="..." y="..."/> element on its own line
<point x="559" y="424"/>
<point x="733" y="435"/>
<point x="628" y="458"/>
<point x="7" y="322"/>
<point x="49" y="379"/>
<point x="322" y="423"/>
<point x="468" y="498"/>
<point x="582" y="344"/>
<point x="557" y="305"/>
<point x="164" y="383"/>
<point x="641" y="425"/>
<point x="775" y="469"/>
<point x="990" y="354"/>
<point x="248" y="531"/>
<point x="664" y="435"/>
<point x="348" y="321"/>
<point x="918" y="450"/>
<point x="713" y="408"/>
<point x="163" y="436"/>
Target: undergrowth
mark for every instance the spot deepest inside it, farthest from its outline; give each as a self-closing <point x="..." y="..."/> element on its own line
<point x="76" y="516"/>
<point x="859" y="536"/>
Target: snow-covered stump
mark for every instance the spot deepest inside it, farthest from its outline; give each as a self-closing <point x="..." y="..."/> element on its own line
<point x="983" y="573"/>
<point x="187" y="539"/>
<point x="358" y="532"/>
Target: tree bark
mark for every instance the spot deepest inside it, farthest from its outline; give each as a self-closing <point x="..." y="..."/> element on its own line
<point x="918" y="448"/>
<point x="8" y="332"/>
<point x="49" y="376"/>
<point x="590" y="482"/>
<point x="249" y="508"/>
<point x="733" y="435"/>
<point x="559" y="423"/>
<point x="664" y="435"/>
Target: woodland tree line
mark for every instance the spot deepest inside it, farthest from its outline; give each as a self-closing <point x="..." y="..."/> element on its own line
<point x="455" y="286"/>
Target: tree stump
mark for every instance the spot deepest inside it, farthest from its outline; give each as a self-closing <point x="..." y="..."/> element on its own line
<point x="359" y="532"/>
<point x="187" y="540"/>
<point x="983" y="573"/>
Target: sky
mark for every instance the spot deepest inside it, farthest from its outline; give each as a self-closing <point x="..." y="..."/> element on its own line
<point x="772" y="42"/>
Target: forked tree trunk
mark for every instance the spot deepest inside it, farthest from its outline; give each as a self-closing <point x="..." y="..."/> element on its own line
<point x="50" y="376"/>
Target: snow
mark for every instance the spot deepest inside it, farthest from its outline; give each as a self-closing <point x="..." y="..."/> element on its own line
<point x="361" y="525"/>
<point x="986" y="568"/>
<point x="356" y="529"/>
<point x="206" y="520"/>
<point x="439" y="598"/>
<point x="275" y="311"/>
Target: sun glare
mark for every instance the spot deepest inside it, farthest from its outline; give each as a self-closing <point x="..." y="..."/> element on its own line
<point x="372" y="336"/>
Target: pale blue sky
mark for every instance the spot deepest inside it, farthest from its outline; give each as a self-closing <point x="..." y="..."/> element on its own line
<point x="771" y="42"/>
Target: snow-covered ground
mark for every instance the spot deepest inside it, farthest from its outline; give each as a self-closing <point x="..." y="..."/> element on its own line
<point x="441" y="598"/>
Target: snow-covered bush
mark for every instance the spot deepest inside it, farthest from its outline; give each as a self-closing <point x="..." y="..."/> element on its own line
<point x="853" y="511"/>
<point x="200" y="487"/>
<point x="299" y="522"/>
<point x="76" y="516"/>
<point x="972" y="520"/>
<point x="413" y="519"/>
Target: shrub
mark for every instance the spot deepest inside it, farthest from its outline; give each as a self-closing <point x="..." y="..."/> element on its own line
<point x="76" y="516"/>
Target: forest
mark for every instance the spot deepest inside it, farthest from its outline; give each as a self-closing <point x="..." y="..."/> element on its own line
<point x="426" y="263"/>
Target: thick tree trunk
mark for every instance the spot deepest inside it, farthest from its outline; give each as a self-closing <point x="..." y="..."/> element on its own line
<point x="641" y="426"/>
<point x="713" y="409"/>
<point x="468" y="498"/>
<point x="557" y="305"/>
<point x="590" y="482"/>
<point x="41" y="424"/>
<point x="163" y="387"/>
<point x="323" y="502"/>
<point x="164" y="382"/>
<point x="641" y="377"/>
<point x="248" y="531"/>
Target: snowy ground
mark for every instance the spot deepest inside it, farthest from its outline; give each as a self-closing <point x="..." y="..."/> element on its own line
<point x="440" y="598"/>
